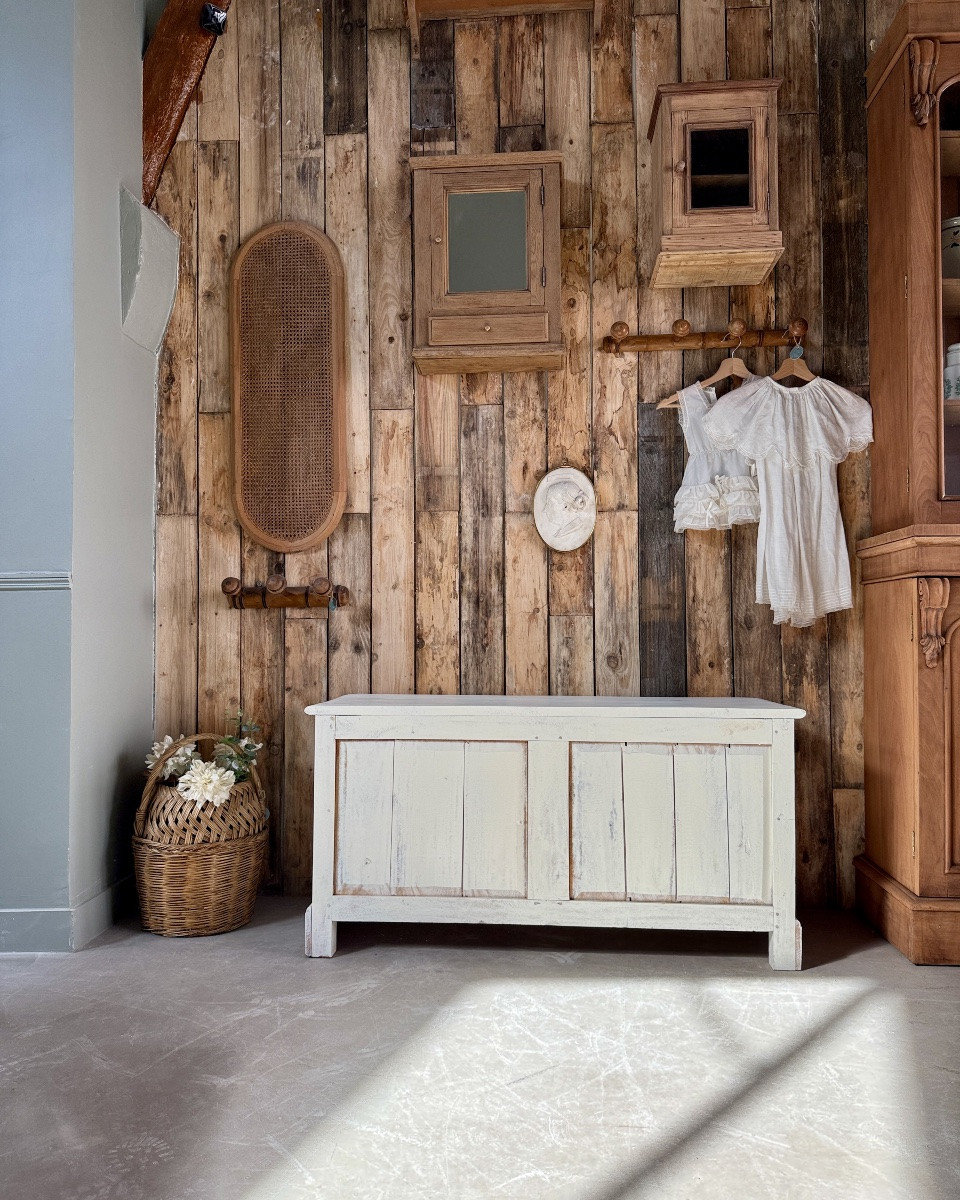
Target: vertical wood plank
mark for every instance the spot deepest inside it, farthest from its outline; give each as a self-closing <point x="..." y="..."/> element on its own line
<point x="614" y="299"/>
<point x="481" y="550"/>
<point x="795" y="25"/>
<point x="877" y="17"/>
<point x="301" y="131"/>
<point x="218" y="107"/>
<point x="709" y="635"/>
<point x="427" y="823"/>
<point x="437" y="443"/>
<point x="346" y="189"/>
<point x="348" y="633"/>
<point x="344" y="66"/>
<point x="611" y="74"/>
<point x="748" y="807"/>
<point x="548" y="821"/>
<point x="305" y="677"/>
<point x="571" y="655"/>
<point x="260" y="178"/>
<point x="218" y="694"/>
<point x="597" y="870"/>
<point x="176" y="202"/>
<point x="391" y="272"/>
<point x="386" y="14"/>
<point x="700" y="792"/>
<point x="176" y="625"/>
<point x="566" y="56"/>
<point x="525" y="437"/>
<point x="485" y="388"/>
<point x="392" y="580"/>
<point x="569" y="443"/>
<point x="702" y="47"/>
<point x="364" y="818"/>
<point x="495" y="819"/>
<point x="477" y="82"/>
<point x="521" y="70"/>
<point x="648" y="822"/>
<point x="848" y="820"/>
<point x="527" y="657"/>
<point x="617" y="613"/>
<point x="432" y="92"/>
<point x="749" y="42"/>
<point x="438" y="603"/>
<point x="218" y="235"/>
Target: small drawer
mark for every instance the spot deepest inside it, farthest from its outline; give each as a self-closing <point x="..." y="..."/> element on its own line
<point x="488" y="331"/>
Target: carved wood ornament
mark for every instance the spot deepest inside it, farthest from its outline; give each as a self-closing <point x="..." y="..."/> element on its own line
<point x="934" y="597"/>
<point x="924" y="56"/>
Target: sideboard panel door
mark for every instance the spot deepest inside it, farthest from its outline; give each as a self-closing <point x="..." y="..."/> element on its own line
<point x="700" y="782"/>
<point x="495" y="819"/>
<point x="748" y="800"/>
<point x="427" y="818"/>
<point x="597" y="822"/>
<point x="364" y="818"/>
<point x="648" y="819"/>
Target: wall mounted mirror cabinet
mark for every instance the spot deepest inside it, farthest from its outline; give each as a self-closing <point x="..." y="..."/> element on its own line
<point x="487" y="263"/>
<point x="715" y="160"/>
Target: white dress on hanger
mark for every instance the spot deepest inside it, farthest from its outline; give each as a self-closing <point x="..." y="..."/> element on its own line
<point x="796" y="437"/>
<point x="718" y="489"/>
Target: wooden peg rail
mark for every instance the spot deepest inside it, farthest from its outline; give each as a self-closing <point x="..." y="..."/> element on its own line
<point x="736" y="337"/>
<point x="276" y="593"/>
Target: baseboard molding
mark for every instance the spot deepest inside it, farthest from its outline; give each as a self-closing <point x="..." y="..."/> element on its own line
<point x="60" y="930"/>
<point x="924" y="928"/>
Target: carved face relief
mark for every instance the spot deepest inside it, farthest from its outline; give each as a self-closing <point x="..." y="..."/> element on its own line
<point x="565" y="508"/>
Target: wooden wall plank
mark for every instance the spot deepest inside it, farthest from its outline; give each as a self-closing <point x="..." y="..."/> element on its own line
<point x="877" y="17"/>
<point x="438" y="603"/>
<point x="614" y="299"/>
<point x="386" y="14"/>
<point x="566" y="56"/>
<point x="611" y="74"/>
<point x="391" y="272"/>
<point x="176" y="625"/>
<point x="617" y="612"/>
<point x="348" y="634"/>
<point x="392" y="533"/>
<point x="521" y="70"/>
<point x="709" y="633"/>
<point x="749" y="43"/>
<point x="218" y="235"/>
<point x="477" y="81"/>
<point x="344" y="66"/>
<point x="437" y="439"/>
<point x="702" y="49"/>
<point x="218" y="693"/>
<point x="525" y="437"/>
<point x="305" y="678"/>
<point x="848" y="820"/>
<point x="527" y="655"/>
<point x="569" y="441"/>
<point x="571" y="655"/>
<point x="218" y="107"/>
<point x="176" y="202"/>
<point x="432" y="92"/>
<point x="301" y="131"/>
<point x="346" y="188"/>
<point x="481" y="550"/>
<point x="795" y="57"/>
<point x="259" y="48"/>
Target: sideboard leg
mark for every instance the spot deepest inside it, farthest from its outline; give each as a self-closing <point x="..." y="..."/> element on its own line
<point x="786" y="946"/>
<point x="319" y="937"/>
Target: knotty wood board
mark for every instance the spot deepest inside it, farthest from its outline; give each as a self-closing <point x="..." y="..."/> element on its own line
<point x="305" y="673"/>
<point x="619" y="614"/>
<point x="392" y="537"/>
<point x="176" y="626"/>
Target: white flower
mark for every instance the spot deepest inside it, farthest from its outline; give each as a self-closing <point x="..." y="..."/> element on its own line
<point x="177" y="763"/>
<point x="206" y="782"/>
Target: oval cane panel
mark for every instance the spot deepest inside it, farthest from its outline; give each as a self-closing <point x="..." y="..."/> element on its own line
<point x="287" y="330"/>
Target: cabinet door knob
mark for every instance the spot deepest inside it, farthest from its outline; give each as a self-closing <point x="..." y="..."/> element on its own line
<point x="486" y="329"/>
<point x="681" y="166"/>
<point x="438" y="239"/>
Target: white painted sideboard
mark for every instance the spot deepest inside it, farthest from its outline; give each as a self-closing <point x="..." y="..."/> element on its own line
<point x="631" y="813"/>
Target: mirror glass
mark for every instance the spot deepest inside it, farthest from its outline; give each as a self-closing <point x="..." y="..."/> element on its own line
<point x="720" y="168"/>
<point x="487" y="241"/>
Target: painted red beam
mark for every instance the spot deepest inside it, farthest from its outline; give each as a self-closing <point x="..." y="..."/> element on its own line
<point x="172" y="68"/>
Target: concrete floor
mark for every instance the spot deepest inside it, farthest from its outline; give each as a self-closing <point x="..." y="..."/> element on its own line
<point x="460" y="1063"/>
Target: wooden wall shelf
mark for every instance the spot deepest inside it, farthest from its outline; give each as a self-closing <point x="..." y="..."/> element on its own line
<point x="443" y="10"/>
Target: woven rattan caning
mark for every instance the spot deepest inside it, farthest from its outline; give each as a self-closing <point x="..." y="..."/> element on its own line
<point x="198" y="869"/>
<point x="288" y="349"/>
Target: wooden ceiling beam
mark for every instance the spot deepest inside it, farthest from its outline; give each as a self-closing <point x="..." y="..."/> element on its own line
<point x="172" y="68"/>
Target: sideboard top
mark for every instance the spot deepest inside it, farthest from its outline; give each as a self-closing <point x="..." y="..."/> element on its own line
<point x="724" y="708"/>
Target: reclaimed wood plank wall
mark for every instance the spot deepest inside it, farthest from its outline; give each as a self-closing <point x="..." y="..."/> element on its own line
<point x="310" y="110"/>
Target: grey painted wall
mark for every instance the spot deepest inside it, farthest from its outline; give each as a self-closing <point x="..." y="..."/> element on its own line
<point x="76" y="471"/>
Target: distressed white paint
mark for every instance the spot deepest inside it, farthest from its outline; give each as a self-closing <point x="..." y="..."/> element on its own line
<point x="648" y="819"/>
<point x="596" y="845"/>
<point x="364" y="817"/>
<point x="495" y="819"/>
<point x="694" y="831"/>
<point x="427" y="819"/>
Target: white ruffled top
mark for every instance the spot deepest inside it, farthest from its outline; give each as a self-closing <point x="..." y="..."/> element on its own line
<point x="795" y="437"/>
<point x="718" y="489"/>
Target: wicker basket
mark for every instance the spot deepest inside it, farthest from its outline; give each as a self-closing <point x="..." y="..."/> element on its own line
<point x="198" y="869"/>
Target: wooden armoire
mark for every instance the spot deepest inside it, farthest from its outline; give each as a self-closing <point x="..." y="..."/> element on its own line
<point x="908" y="880"/>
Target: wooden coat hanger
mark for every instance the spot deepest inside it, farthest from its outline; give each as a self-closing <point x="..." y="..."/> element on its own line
<point x="794" y="366"/>
<point x="729" y="366"/>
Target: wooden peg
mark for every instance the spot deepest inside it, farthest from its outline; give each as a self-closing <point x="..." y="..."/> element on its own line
<point x="321" y="586"/>
<point x="681" y="329"/>
<point x="276" y="584"/>
<point x="737" y="327"/>
<point x="798" y="328"/>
